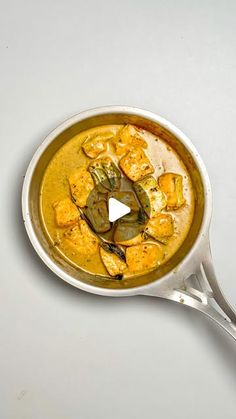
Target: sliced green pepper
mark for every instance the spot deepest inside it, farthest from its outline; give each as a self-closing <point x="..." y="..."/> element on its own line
<point x="105" y="174"/>
<point x="97" y="212"/>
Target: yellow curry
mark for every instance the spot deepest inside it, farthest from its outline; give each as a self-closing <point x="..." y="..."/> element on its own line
<point x="136" y="168"/>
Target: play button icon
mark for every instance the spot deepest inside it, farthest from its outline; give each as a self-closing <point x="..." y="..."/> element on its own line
<point x="117" y="209"/>
<point x="115" y="215"/>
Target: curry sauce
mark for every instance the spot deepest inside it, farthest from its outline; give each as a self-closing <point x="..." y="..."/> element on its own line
<point x="139" y="169"/>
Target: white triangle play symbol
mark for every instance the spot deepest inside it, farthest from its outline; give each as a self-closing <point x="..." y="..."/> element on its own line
<point x="117" y="209"/>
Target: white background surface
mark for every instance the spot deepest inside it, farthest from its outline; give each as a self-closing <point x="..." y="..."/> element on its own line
<point x="65" y="354"/>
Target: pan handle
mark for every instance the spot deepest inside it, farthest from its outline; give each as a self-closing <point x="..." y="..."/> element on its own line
<point x="202" y="292"/>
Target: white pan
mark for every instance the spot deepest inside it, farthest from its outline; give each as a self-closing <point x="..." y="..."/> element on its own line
<point x="189" y="277"/>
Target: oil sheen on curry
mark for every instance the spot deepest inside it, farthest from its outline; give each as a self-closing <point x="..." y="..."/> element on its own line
<point x="136" y="168"/>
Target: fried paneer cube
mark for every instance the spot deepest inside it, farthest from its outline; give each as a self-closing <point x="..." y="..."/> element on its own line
<point x="135" y="164"/>
<point x="143" y="257"/>
<point x="150" y="196"/>
<point x="97" y="144"/>
<point x="161" y="227"/>
<point x="82" y="239"/>
<point x="81" y="184"/>
<point x="66" y="213"/>
<point x="114" y="265"/>
<point x="129" y="136"/>
<point x="172" y="186"/>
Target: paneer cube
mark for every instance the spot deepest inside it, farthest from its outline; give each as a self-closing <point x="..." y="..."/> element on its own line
<point x="97" y="144"/>
<point x="114" y="265"/>
<point x="143" y="257"/>
<point x="150" y="196"/>
<point x="66" y="213"/>
<point x="135" y="164"/>
<point x="129" y="136"/>
<point x="172" y="186"/>
<point x="162" y="226"/>
<point x="81" y="184"/>
<point x="82" y="239"/>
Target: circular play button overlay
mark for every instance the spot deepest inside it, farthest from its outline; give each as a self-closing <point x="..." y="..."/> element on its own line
<point x="115" y="212"/>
